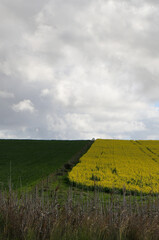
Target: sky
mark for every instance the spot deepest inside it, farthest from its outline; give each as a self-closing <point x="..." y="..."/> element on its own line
<point x="77" y="69"/>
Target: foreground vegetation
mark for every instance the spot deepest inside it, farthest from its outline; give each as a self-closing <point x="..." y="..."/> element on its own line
<point x="26" y="162"/>
<point x="39" y="216"/>
<point x="116" y="163"/>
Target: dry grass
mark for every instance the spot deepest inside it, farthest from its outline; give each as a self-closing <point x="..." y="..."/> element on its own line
<point x="32" y="216"/>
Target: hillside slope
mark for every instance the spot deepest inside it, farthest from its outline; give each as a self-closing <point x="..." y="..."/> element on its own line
<point x="28" y="161"/>
<point x="119" y="164"/>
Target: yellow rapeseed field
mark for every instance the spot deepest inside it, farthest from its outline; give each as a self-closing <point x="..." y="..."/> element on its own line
<point x="128" y="164"/>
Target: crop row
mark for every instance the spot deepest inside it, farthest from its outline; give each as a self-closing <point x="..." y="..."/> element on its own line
<point x="132" y="165"/>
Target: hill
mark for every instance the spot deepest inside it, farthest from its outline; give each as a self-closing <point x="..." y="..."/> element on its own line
<point x="118" y="164"/>
<point x="28" y="161"/>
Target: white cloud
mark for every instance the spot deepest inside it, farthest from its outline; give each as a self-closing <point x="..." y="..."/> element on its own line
<point x="35" y="70"/>
<point x="25" y="105"/>
<point x="45" y="92"/>
<point x="89" y="67"/>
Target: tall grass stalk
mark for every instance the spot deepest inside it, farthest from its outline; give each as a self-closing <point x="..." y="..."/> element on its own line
<point x="35" y="216"/>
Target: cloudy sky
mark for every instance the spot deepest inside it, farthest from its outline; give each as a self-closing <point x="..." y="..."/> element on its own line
<point x="77" y="69"/>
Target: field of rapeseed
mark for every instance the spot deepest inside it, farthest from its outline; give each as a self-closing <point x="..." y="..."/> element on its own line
<point x="133" y="165"/>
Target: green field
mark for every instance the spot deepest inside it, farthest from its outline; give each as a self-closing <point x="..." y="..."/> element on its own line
<point x="48" y="208"/>
<point x="28" y="161"/>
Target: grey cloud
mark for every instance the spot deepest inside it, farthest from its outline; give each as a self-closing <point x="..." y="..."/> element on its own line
<point x="4" y="94"/>
<point x="79" y="69"/>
